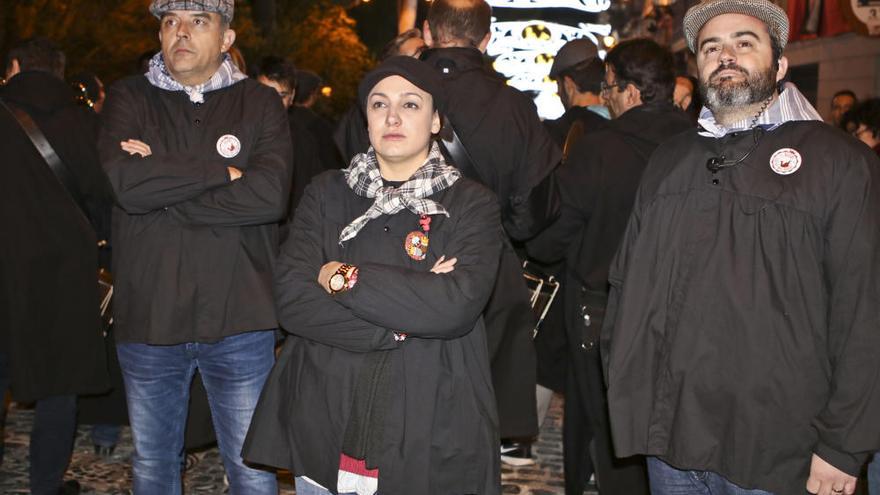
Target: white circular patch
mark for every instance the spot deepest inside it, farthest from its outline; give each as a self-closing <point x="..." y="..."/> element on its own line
<point x="228" y="146"/>
<point x="785" y="161"/>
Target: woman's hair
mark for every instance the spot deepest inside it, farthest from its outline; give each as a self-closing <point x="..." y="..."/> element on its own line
<point x="393" y="47"/>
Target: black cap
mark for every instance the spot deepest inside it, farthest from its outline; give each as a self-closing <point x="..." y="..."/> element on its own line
<point x="413" y="70"/>
<point x="572" y="53"/>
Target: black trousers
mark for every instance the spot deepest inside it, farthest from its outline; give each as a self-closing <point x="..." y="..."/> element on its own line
<point x="52" y="436"/>
<point x="586" y="420"/>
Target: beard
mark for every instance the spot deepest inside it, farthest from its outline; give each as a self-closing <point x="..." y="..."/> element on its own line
<point x="724" y="94"/>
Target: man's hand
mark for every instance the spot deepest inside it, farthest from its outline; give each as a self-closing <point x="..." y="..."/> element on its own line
<point x="443" y="265"/>
<point x="133" y="146"/>
<point x="826" y="479"/>
<point x="234" y="173"/>
<point x="327" y="271"/>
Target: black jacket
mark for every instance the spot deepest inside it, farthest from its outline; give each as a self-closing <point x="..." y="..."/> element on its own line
<point x="193" y="252"/>
<point x="597" y="184"/>
<point x="742" y="333"/>
<point x="499" y="126"/>
<point x="558" y="128"/>
<point x="440" y="436"/>
<point x="513" y="156"/>
<point x="49" y="322"/>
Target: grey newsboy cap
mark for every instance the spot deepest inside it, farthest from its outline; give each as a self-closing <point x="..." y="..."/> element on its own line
<point x="223" y="7"/>
<point x="769" y="13"/>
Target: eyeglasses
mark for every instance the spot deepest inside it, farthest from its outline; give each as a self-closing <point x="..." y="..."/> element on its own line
<point x="605" y="87"/>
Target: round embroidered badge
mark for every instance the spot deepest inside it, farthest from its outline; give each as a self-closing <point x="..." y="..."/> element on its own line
<point x="416" y="245"/>
<point x="228" y="146"/>
<point x="785" y="161"/>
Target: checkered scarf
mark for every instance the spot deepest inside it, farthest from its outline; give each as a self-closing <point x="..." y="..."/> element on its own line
<point x="364" y="179"/>
<point x="227" y="75"/>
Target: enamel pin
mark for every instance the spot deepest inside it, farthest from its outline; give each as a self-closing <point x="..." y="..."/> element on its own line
<point x="785" y="161"/>
<point x="416" y="243"/>
<point x="228" y="146"/>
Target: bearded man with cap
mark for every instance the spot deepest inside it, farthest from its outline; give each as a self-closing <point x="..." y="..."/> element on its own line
<point x="200" y="159"/>
<point x="741" y="336"/>
<point x="383" y="384"/>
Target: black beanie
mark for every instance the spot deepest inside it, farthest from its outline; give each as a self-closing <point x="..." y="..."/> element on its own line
<point x="413" y="70"/>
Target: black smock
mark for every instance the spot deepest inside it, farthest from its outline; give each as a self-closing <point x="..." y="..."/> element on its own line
<point x="598" y="184"/>
<point x="742" y="329"/>
<point x="49" y="321"/>
<point x="193" y="251"/>
<point x="558" y="128"/>
<point x="440" y="434"/>
<point x="514" y="156"/>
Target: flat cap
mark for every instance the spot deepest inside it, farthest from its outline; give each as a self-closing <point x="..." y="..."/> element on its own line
<point x="223" y="7"/>
<point x="413" y="70"/>
<point x="764" y="10"/>
<point x="571" y="54"/>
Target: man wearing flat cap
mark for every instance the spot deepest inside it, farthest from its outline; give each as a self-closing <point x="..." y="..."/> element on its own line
<point x="578" y="72"/>
<point x="741" y="339"/>
<point x="200" y="160"/>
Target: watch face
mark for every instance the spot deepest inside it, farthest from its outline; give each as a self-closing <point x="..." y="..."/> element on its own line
<point x="337" y="282"/>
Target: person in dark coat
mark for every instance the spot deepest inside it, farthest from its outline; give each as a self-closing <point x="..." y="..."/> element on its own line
<point x="308" y="89"/>
<point x="51" y="346"/>
<point x="578" y="71"/>
<point x="383" y="384"/>
<point x="741" y="340"/>
<point x="200" y="159"/>
<point x="280" y="75"/>
<point x="598" y="182"/>
<point x="513" y="155"/>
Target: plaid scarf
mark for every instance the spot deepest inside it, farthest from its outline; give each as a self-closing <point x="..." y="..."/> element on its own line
<point x="364" y="179"/>
<point x="227" y="75"/>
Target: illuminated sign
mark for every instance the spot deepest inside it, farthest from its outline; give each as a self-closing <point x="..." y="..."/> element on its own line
<point x="524" y="50"/>
<point x="582" y="5"/>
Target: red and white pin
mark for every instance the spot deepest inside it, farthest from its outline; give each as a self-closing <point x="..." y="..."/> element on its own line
<point x="785" y="161"/>
<point x="228" y="146"/>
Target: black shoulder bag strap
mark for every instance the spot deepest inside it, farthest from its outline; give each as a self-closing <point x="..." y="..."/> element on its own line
<point x="51" y="158"/>
<point x="458" y="153"/>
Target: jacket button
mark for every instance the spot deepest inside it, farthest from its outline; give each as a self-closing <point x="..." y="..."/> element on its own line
<point x="197" y="121"/>
<point x="714" y="182"/>
<point x="386" y="228"/>
<point x="587" y="345"/>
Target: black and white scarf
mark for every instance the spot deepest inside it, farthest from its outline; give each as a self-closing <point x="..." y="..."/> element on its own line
<point x="364" y="178"/>
<point x="227" y="75"/>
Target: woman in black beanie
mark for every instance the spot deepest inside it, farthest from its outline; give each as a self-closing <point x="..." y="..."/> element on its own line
<point x="383" y="384"/>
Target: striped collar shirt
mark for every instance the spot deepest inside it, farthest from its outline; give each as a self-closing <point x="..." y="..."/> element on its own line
<point x="791" y="105"/>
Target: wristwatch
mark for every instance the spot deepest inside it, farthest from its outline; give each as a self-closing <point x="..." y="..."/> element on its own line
<point x="344" y="278"/>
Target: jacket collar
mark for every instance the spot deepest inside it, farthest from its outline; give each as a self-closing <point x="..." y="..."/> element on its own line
<point x="791" y="105"/>
<point x="454" y="59"/>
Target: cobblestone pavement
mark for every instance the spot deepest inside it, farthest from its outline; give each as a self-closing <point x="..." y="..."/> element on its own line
<point x="205" y="474"/>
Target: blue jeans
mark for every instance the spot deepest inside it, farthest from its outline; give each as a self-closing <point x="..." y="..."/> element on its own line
<point x="667" y="480"/>
<point x="157" y="382"/>
<point x="303" y="487"/>
<point x="874" y="475"/>
<point x="104" y="435"/>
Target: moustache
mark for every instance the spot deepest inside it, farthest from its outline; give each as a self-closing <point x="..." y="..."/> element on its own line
<point x="730" y="66"/>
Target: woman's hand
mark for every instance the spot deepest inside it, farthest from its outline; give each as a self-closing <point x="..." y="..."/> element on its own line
<point x="443" y="265"/>
<point x="327" y="271"/>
